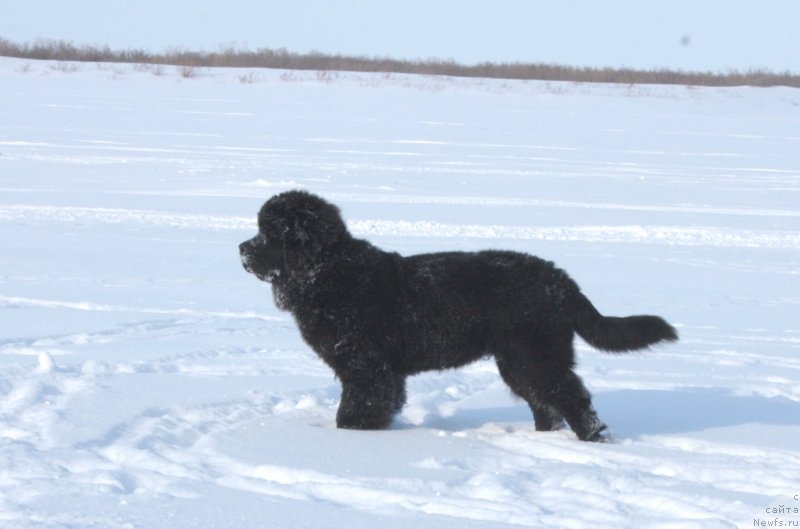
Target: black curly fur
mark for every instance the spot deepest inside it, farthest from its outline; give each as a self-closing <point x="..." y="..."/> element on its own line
<point x="375" y="317"/>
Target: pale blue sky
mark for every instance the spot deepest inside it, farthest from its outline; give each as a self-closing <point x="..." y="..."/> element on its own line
<point x="685" y="34"/>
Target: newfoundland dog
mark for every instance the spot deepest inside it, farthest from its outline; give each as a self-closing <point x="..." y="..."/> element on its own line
<point x="376" y="317"/>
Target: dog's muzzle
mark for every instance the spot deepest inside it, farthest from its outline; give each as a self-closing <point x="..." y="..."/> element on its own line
<point x="245" y="253"/>
<point x="256" y="261"/>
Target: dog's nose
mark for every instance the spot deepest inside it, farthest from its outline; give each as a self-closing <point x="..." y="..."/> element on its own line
<point x="246" y="245"/>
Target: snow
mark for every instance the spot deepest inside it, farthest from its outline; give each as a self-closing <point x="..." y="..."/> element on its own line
<point x="147" y="381"/>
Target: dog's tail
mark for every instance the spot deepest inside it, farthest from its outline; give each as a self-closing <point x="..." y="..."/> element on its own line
<point x="618" y="335"/>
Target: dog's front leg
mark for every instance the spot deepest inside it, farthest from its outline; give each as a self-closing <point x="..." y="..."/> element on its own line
<point x="367" y="406"/>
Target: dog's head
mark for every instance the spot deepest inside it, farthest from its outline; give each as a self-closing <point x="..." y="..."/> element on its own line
<point x="295" y="229"/>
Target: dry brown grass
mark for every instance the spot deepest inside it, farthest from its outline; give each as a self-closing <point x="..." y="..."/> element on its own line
<point x="231" y="57"/>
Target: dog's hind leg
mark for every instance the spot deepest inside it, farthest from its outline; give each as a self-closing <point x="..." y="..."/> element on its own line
<point x="522" y="384"/>
<point x="568" y="395"/>
<point x="546" y="418"/>
<point x="552" y="390"/>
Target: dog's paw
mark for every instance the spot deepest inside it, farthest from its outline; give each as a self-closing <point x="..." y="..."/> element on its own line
<point x="603" y="435"/>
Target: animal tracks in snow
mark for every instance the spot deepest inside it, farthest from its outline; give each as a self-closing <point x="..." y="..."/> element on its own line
<point x="637" y="234"/>
<point x="448" y="457"/>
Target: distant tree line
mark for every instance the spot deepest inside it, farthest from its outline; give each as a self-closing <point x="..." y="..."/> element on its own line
<point x="234" y="57"/>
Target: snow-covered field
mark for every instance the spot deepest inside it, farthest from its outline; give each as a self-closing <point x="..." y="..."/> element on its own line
<point x="147" y="381"/>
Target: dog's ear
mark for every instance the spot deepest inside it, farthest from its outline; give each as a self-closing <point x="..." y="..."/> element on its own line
<point x="309" y="232"/>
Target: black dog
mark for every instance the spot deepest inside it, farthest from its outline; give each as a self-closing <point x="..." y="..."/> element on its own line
<point x="375" y="317"/>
